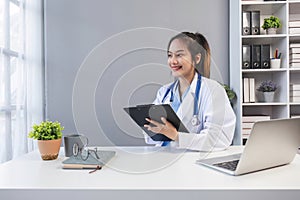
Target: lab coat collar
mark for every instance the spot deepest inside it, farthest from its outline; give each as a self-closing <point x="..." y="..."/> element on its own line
<point x="186" y="108"/>
<point x="194" y="83"/>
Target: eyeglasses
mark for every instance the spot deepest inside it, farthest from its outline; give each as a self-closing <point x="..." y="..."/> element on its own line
<point x="84" y="152"/>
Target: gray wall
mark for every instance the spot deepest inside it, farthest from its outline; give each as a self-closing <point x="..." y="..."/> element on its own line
<point x="104" y="55"/>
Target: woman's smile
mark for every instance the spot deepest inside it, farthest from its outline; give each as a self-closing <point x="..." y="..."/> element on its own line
<point x="176" y="68"/>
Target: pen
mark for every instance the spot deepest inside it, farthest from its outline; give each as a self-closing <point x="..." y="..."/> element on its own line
<point x="97" y="168"/>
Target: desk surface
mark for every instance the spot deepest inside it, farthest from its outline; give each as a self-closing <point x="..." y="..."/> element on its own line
<point x="146" y="168"/>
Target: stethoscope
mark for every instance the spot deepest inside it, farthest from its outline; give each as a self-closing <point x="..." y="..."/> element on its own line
<point x="195" y="120"/>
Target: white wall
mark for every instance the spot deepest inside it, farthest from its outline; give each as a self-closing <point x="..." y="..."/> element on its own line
<point x="73" y="28"/>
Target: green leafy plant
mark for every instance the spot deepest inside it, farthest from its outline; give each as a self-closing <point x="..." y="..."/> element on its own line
<point x="267" y="86"/>
<point x="230" y="93"/>
<point x="271" y="22"/>
<point x="46" y="130"/>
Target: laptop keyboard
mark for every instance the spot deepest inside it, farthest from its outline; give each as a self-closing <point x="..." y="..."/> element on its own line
<point x="230" y="165"/>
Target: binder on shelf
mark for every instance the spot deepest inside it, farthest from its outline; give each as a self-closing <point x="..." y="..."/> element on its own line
<point x="246" y="57"/>
<point x="246" y="23"/>
<point x="255" y="57"/>
<point x="255" y="22"/>
<point x="252" y="90"/>
<point x="265" y="56"/>
<point x="246" y="93"/>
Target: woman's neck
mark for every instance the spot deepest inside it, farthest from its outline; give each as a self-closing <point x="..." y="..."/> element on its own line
<point x="185" y="82"/>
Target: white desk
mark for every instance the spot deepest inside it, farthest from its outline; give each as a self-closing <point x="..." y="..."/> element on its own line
<point x="144" y="173"/>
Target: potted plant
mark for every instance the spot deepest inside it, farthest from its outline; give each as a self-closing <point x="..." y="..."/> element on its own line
<point x="48" y="134"/>
<point x="230" y="93"/>
<point x="271" y="24"/>
<point x="268" y="88"/>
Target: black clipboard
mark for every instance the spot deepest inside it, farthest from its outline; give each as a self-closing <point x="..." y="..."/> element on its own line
<point x="155" y="112"/>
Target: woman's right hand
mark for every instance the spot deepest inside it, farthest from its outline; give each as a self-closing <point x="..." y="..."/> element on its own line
<point x="165" y="128"/>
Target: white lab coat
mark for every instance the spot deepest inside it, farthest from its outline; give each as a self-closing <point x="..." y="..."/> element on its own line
<point x="217" y="119"/>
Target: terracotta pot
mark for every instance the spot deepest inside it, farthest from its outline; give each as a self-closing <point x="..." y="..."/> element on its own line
<point x="49" y="148"/>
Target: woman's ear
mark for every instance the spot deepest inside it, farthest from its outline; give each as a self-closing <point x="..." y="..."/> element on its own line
<point x="198" y="58"/>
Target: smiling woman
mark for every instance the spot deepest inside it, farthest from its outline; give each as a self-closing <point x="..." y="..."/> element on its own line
<point x="201" y="103"/>
<point x="74" y="29"/>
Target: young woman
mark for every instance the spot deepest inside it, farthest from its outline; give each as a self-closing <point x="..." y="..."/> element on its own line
<point x="200" y="103"/>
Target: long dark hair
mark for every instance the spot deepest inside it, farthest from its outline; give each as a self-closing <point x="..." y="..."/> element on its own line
<point x="196" y="43"/>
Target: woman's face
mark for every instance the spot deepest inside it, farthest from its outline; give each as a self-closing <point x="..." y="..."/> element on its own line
<point x="180" y="60"/>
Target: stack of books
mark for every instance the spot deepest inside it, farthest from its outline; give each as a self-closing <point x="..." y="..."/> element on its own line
<point x="294" y="92"/>
<point x="248" y="90"/>
<point x="295" y="55"/>
<point x="248" y="122"/>
<point x="294" y="27"/>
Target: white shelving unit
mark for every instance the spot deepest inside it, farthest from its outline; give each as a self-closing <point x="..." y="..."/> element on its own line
<point x="281" y="107"/>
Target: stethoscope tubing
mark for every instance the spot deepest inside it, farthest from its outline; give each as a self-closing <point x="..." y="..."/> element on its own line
<point x="195" y="120"/>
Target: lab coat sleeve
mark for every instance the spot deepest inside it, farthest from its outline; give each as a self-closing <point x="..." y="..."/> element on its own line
<point x="218" y="123"/>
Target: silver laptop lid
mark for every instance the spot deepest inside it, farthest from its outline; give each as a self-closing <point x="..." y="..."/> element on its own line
<point x="271" y="143"/>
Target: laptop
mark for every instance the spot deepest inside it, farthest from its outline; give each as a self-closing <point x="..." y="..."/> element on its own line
<point x="271" y="143"/>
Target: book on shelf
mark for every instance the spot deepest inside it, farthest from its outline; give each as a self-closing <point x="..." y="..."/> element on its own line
<point x="252" y="90"/>
<point x="294" y="30"/>
<point x="293" y="45"/>
<point x="246" y="92"/>
<point x="295" y="65"/>
<point x="294" y="24"/>
<point x="295" y="99"/>
<point x="295" y="93"/>
<point x="247" y="125"/>
<point x="294" y="60"/>
<point x="245" y="135"/>
<point x="294" y="86"/>
<point x="294" y="56"/>
<point x="246" y="131"/>
<point x="255" y="118"/>
<point x="295" y="50"/>
<point x="249" y="90"/>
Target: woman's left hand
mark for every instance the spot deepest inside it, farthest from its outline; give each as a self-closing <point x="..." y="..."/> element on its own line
<point x="166" y="128"/>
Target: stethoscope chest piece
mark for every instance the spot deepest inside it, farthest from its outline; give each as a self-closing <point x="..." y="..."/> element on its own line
<point x="195" y="120"/>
